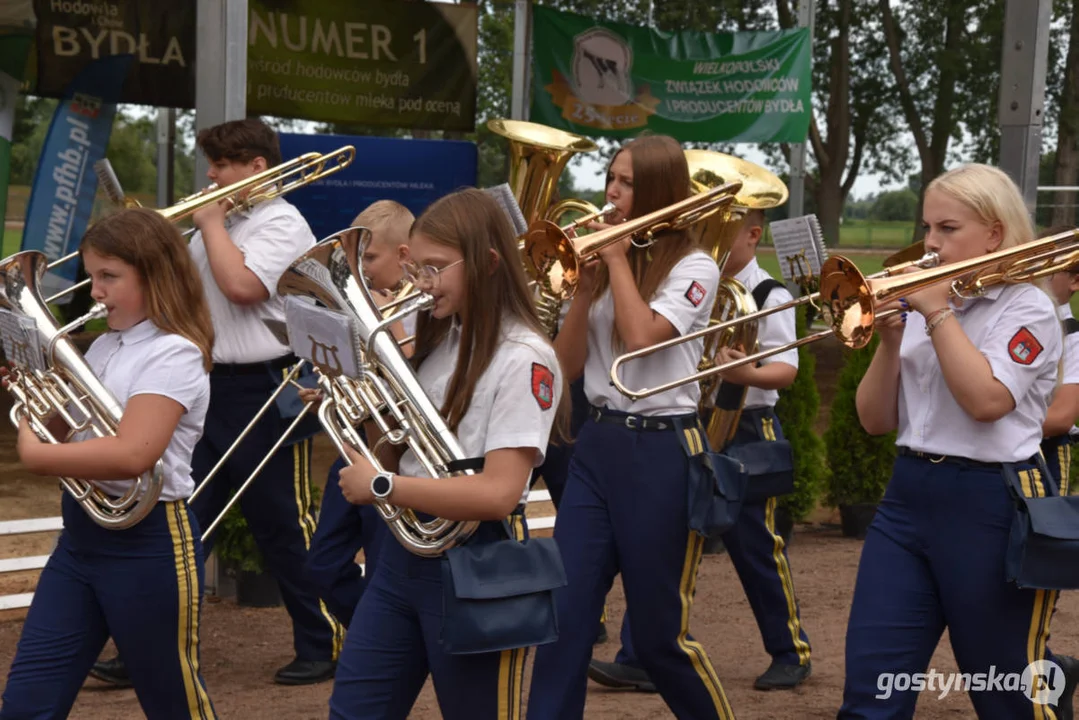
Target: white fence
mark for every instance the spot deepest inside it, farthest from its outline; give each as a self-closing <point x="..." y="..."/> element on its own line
<point x="53" y="524"/>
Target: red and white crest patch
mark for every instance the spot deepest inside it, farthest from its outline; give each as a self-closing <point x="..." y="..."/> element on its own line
<point x="1024" y="348"/>
<point x="696" y="293"/>
<point x="542" y="385"/>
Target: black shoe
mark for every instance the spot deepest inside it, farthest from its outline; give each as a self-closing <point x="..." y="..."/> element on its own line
<point x="112" y="671"/>
<point x="601" y="636"/>
<point x="305" y="672"/>
<point x="1070" y="666"/>
<point x="780" y="676"/>
<point x="614" y="675"/>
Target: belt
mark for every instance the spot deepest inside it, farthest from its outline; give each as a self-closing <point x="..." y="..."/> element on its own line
<point x="951" y="459"/>
<point x="255" y="368"/>
<point x="637" y="422"/>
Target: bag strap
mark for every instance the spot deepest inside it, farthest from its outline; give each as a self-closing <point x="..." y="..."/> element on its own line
<point x="1071" y="325"/>
<point x="764" y="289"/>
<point x="690" y="436"/>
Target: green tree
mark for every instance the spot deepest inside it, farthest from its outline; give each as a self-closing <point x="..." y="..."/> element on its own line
<point x="797" y="410"/>
<point x="860" y="464"/>
<point x="895" y="205"/>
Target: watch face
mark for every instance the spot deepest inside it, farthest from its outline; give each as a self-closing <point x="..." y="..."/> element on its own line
<point x="380" y="486"/>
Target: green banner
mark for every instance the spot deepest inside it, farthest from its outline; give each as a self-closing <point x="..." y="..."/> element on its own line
<point x="379" y="62"/>
<point x="614" y="80"/>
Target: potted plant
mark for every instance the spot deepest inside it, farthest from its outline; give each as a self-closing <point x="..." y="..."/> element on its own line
<point x="240" y="558"/>
<point x="860" y="464"/>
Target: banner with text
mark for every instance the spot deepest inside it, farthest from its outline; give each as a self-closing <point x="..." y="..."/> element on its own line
<point x="379" y="62"/>
<point x="615" y="80"/>
<point x="62" y="196"/>
<point x="71" y="34"/>
<point x="415" y="173"/>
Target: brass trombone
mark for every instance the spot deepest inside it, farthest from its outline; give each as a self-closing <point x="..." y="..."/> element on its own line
<point x="552" y="254"/>
<point x="244" y="194"/>
<point x="831" y="266"/>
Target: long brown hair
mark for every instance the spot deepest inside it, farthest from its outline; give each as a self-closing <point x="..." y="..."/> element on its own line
<point x="471" y="221"/>
<point x="660" y="178"/>
<point x="153" y="246"/>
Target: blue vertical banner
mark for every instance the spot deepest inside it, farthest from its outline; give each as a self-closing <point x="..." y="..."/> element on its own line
<point x="62" y="196"/>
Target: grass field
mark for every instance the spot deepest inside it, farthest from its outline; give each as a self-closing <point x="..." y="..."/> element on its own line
<point x="12" y="241"/>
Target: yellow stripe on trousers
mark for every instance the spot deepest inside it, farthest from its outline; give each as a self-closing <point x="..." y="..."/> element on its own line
<point x="511" y="663"/>
<point x="1064" y="457"/>
<point x="301" y="485"/>
<point x="187" y="584"/>
<point x="783" y="570"/>
<point x="1044" y="602"/>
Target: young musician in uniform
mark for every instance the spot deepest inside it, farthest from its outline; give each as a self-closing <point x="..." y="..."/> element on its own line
<point x="240" y="259"/>
<point x="625" y="507"/>
<point x="756" y="549"/>
<point x="966" y="384"/>
<point x="141" y="584"/>
<point x="483" y="358"/>
<point x="344" y="529"/>
<point x="1059" y="427"/>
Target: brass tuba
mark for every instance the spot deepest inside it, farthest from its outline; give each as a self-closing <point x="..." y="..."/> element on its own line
<point x="386" y="390"/>
<point x="760" y="190"/>
<point x="50" y="376"/>
<point x="538" y="155"/>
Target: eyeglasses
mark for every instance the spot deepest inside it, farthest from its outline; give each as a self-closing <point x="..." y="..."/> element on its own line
<point x="426" y="275"/>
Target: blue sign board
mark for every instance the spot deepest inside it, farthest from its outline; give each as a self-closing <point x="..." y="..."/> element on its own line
<point x="415" y="173"/>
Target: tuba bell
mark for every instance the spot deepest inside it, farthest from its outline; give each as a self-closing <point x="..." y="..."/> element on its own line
<point x="50" y="376"/>
<point x="538" y="155"/>
<point x="385" y="389"/>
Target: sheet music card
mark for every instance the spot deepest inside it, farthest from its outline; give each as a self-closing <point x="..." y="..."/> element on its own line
<point x="22" y="343"/>
<point x="800" y="249"/>
<point x="323" y="337"/>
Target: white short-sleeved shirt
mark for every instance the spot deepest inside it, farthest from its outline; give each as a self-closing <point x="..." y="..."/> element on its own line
<point x="145" y="360"/>
<point x="515" y="401"/>
<point x="773" y="331"/>
<point x="1016" y="328"/>
<point x="270" y="236"/>
<point x="1070" y="361"/>
<point x="685" y="299"/>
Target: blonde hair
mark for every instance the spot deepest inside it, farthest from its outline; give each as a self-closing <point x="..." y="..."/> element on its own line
<point x="386" y="213"/>
<point x="992" y="196"/>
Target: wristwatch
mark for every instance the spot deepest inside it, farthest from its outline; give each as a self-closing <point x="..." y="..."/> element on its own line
<point x="382" y="485"/>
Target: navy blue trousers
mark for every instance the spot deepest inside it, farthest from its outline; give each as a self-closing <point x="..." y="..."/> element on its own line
<point x="343" y="530"/>
<point x="1058" y="457"/>
<point x="625" y="509"/>
<point x="142" y="586"/>
<point x="934" y="558"/>
<point x="277" y="505"/>
<point x="394" y="643"/>
<point x="760" y="559"/>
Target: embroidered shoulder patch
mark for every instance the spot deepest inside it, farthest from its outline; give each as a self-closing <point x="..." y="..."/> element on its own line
<point x="1024" y="348"/>
<point x="696" y="293"/>
<point x="542" y="385"/>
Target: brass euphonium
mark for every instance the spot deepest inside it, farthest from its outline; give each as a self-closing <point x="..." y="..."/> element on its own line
<point x="49" y="376"/>
<point x="386" y="390"/>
